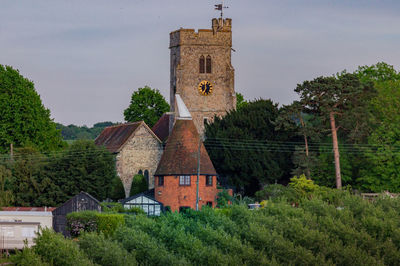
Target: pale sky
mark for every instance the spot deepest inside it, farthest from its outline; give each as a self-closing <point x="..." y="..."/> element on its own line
<point x="86" y="57"/>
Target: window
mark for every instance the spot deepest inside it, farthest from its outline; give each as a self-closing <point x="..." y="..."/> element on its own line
<point x="209" y="203"/>
<point x="205" y="120"/>
<point x="184" y="180"/>
<point x="161" y="180"/>
<point x="209" y="180"/>
<point x="140" y="172"/>
<point x="202" y="64"/>
<point x="146" y="176"/>
<point x="208" y="64"/>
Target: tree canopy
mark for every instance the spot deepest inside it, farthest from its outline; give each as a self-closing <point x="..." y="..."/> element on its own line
<point x="246" y="148"/>
<point x="146" y="104"/>
<point x="23" y="118"/>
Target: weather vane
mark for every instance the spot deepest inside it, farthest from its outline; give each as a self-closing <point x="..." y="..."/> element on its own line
<point x="221" y="7"/>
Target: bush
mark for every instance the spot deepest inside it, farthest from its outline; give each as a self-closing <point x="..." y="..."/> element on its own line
<point x="56" y="250"/>
<point x="91" y="221"/>
<point x="139" y="185"/>
<point x="27" y="257"/>
<point x="105" y="252"/>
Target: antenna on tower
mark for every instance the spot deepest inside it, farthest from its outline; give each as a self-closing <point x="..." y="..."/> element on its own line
<point x="221" y="7"/>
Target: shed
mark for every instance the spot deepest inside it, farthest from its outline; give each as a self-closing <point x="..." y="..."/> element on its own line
<point x="81" y="202"/>
<point x="146" y="202"/>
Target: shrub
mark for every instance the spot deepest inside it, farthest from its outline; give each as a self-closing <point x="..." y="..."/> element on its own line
<point x="91" y="221"/>
<point x="302" y="185"/>
<point x="56" y="250"/>
<point x="27" y="257"/>
<point x="105" y="252"/>
<point x="139" y="185"/>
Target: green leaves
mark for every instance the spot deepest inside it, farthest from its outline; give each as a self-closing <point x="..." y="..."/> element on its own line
<point x="146" y="104"/>
<point x="23" y="118"/>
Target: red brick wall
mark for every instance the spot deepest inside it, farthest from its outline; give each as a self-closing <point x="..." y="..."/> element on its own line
<point x="174" y="195"/>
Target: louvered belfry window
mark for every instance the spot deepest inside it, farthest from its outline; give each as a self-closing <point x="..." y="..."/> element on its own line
<point x="202" y="64"/>
<point x="208" y="64"/>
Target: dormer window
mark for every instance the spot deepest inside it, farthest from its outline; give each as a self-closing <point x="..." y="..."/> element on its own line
<point x="202" y="65"/>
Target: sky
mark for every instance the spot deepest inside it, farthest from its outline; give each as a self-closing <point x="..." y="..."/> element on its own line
<point x="87" y="57"/>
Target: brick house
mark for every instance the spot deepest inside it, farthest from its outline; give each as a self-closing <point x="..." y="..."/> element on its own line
<point x="176" y="174"/>
<point x="138" y="151"/>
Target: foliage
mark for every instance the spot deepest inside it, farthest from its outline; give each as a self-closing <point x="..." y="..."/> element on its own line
<point x="139" y="185"/>
<point x="254" y="158"/>
<point x="240" y="101"/>
<point x="54" y="249"/>
<point x="324" y="227"/>
<point x="6" y="194"/>
<point x="380" y="72"/>
<point x="276" y="191"/>
<point x="223" y="198"/>
<point x="146" y="104"/>
<point x="73" y="132"/>
<point x="117" y="189"/>
<point x="27" y="257"/>
<point x="103" y="251"/>
<point x="23" y="118"/>
<point x="303" y="185"/>
<point x="92" y="221"/>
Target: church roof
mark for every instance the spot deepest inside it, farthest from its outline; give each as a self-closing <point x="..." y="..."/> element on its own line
<point x="180" y="154"/>
<point x="161" y="128"/>
<point x="114" y="137"/>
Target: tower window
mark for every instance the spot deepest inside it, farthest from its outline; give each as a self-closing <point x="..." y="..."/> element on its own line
<point x="202" y="64"/>
<point x="208" y="64"/>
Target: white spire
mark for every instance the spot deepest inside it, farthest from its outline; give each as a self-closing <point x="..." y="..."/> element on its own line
<point x="183" y="113"/>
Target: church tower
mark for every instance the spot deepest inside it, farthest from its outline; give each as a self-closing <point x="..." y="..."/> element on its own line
<point x="201" y="71"/>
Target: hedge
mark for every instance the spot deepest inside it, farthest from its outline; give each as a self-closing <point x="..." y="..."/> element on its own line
<point x="92" y="221"/>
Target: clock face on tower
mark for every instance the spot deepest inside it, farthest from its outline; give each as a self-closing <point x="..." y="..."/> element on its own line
<point x="205" y="88"/>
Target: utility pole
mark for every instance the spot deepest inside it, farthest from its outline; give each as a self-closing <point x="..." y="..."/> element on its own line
<point x="11" y="151"/>
<point x="198" y="174"/>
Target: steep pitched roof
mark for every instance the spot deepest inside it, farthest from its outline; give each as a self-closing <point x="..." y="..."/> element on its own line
<point x="161" y="128"/>
<point x="180" y="154"/>
<point x="114" y="137"/>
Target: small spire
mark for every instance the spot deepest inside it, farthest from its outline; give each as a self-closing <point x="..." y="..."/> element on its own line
<point x="183" y="112"/>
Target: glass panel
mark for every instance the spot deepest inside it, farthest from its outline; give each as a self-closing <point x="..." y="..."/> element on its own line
<point x="201" y="64"/>
<point x="208" y="64"/>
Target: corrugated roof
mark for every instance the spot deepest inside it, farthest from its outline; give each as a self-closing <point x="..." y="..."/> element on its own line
<point x="27" y="209"/>
<point x="161" y="128"/>
<point x="180" y="154"/>
<point x="115" y="136"/>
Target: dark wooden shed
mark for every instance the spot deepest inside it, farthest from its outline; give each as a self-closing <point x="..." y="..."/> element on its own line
<point x="81" y="202"/>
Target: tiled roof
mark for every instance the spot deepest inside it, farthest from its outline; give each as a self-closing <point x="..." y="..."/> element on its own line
<point x="180" y="154"/>
<point x="27" y="209"/>
<point x="115" y="136"/>
<point x="161" y="128"/>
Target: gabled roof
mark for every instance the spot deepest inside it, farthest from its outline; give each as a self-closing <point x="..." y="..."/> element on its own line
<point x="180" y="154"/>
<point x="161" y="128"/>
<point x="148" y="194"/>
<point x="114" y="137"/>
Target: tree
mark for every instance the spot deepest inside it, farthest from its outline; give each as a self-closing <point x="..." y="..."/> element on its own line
<point x="240" y="101"/>
<point x="139" y="185"/>
<point x="6" y="195"/>
<point x="146" y="104"/>
<point x="83" y="166"/>
<point x="247" y="150"/>
<point x="337" y="99"/>
<point x="23" y="118"/>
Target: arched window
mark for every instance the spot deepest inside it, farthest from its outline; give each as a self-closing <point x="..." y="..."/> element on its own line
<point x="146" y="175"/>
<point x="208" y="64"/>
<point x="140" y="172"/>
<point x="202" y="64"/>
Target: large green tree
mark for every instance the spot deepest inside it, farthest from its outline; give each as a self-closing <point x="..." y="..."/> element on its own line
<point x="341" y="101"/>
<point x="147" y="104"/>
<point x="23" y="118"/>
<point x="247" y="149"/>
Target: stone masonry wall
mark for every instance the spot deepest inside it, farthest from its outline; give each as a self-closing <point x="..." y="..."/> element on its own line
<point x="186" y="48"/>
<point x="142" y="152"/>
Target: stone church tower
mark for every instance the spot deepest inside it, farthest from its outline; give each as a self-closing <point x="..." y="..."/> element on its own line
<point x="201" y="71"/>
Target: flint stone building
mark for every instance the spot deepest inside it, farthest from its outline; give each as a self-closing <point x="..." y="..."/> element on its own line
<point x="138" y="151"/>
